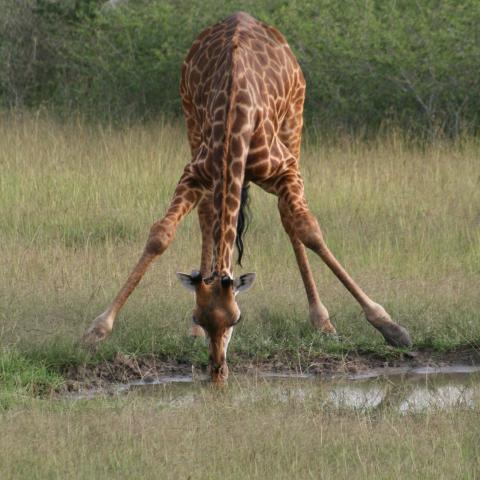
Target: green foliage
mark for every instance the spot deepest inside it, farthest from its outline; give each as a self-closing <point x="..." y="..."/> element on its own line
<point x="22" y="377"/>
<point x="368" y="65"/>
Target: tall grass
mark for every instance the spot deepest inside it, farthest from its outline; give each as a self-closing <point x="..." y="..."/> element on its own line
<point x="250" y="431"/>
<point x="77" y="201"/>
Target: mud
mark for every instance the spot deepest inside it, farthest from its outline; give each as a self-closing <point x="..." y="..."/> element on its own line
<point x="126" y="370"/>
<point x="404" y="389"/>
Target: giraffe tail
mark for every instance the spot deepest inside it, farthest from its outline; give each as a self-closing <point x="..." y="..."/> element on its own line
<point x="243" y="221"/>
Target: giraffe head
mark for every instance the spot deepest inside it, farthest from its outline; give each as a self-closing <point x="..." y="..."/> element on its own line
<point x="217" y="312"/>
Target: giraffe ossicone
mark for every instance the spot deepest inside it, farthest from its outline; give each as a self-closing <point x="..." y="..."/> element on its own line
<point x="242" y="95"/>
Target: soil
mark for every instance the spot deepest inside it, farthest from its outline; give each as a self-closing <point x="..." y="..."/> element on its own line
<point x="124" y="369"/>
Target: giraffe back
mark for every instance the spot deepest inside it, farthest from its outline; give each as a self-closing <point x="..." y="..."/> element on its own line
<point x="239" y="82"/>
<point x="243" y="63"/>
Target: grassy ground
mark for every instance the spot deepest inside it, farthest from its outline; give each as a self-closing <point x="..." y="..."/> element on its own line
<point x="246" y="431"/>
<point x="76" y="205"/>
<point x="77" y="202"/>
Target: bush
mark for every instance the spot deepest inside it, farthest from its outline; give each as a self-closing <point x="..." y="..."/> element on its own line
<point x="413" y="64"/>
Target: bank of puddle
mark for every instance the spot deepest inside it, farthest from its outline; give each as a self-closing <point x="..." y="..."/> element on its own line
<point x="403" y="389"/>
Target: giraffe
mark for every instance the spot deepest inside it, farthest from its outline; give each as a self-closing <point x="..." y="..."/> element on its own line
<point x="242" y="94"/>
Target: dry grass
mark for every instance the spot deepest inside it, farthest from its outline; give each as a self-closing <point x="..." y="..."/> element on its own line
<point x="245" y="432"/>
<point x="77" y="202"/>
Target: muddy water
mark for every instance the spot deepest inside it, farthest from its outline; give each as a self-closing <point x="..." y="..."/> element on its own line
<point x="415" y="392"/>
<point x="403" y="389"/>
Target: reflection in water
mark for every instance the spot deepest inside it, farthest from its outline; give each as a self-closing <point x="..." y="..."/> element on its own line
<point x="438" y="398"/>
<point x="413" y="390"/>
<point x="347" y="396"/>
<point x="408" y="394"/>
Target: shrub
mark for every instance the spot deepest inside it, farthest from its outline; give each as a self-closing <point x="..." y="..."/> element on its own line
<point x="369" y="65"/>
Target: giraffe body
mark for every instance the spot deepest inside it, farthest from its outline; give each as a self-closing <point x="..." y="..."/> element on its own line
<point x="242" y="94"/>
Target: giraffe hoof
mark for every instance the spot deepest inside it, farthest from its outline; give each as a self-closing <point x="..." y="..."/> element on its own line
<point x="325" y="326"/>
<point x="328" y="329"/>
<point x="94" y="336"/>
<point x="197" y="331"/>
<point x="320" y="320"/>
<point x="98" y="331"/>
<point x="395" y="335"/>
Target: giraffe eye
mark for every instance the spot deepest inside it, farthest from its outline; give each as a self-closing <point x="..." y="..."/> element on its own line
<point x="194" y="320"/>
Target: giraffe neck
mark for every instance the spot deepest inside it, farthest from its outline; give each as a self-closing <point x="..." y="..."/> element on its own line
<point x="218" y="72"/>
<point x="228" y="187"/>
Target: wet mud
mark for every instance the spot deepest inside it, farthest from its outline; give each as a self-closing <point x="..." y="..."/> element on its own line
<point x="402" y="389"/>
<point x="150" y="370"/>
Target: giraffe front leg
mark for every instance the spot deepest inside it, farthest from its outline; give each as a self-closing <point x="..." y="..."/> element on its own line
<point x="306" y="228"/>
<point x="206" y="216"/>
<point x="186" y="196"/>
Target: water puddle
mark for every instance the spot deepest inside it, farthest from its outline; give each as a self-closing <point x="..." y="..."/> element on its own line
<point x="412" y="371"/>
<point x="402" y="389"/>
<point x="409" y="394"/>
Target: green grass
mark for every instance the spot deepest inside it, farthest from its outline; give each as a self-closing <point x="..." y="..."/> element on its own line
<point x="77" y="202"/>
<point x="22" y="378"/>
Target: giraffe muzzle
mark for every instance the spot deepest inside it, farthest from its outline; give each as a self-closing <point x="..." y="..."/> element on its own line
<point x="219" y="373"/>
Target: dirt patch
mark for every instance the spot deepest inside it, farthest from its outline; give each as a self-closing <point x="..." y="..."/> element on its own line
<point x="124" y="369"/>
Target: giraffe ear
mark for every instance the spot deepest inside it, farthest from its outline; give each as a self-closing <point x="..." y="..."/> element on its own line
<point x="189" y="281"/>
<point x="244" y="282"/>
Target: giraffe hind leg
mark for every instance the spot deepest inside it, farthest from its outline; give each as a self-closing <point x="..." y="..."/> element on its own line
<point x="319" y="316"/>
<point x="294" y="209"/>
